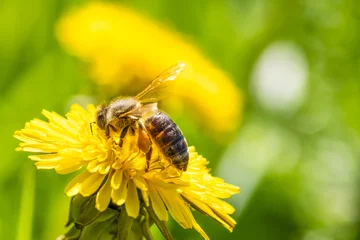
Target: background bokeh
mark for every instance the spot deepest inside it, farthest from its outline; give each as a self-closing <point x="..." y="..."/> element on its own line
<point x="296" y="152"/>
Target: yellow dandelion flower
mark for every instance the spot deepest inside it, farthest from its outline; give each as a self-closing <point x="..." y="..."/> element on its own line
<point x="122" y="47"/>
<point x="121" y="176"/>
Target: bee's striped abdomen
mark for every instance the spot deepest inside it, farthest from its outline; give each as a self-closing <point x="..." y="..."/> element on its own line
<point x="168" y="137"/>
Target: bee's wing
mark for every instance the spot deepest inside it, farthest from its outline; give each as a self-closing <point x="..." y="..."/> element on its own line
<point x="157" y="88"/>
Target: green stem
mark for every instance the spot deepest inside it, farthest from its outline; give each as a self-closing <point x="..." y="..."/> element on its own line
<point x="124" y="225"/>
<point x="145" y="226"/>
<point x="160" y="224"/>
<point x="25" y="221"/>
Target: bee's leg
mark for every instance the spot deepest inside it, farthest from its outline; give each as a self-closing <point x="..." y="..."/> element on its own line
<point x="123" y="134"/>
<point x="148" y="158"/>
<point x="91" y="129"/>
<point x="148" y="154"/>
<point x="132" y="131"/>
<point x="144" y="143"/>
<point x="179" y="172"/>
<point x="107" y="129"/>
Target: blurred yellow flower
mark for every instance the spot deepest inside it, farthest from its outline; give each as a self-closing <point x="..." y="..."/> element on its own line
<point x="126" y="50"/>
<point x="119" y="174"/>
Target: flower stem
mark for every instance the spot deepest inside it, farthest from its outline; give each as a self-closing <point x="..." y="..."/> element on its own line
<point x="124" y="225"/>
<point x="160" y="224"/>
<point x="145" y="225"/>
<point x="25" y="221"/>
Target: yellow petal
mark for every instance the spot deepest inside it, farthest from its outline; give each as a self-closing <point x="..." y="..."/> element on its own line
<point x="30" y="135"/>
<point x="174" y="204"/>
<point x="103" y="196"/>
<point x="224" y="219"/>
<point x="140" y="183"/>
<point x="228" y="188"/>
<point x="117" y="164"/>
<point x="91" y="184"/>
<point x="45" y="157"/>
<point x="66" y="167"/>
<point x="138" y="164"/>
<point x="39" y="147"/>
<point x="71" y="152"/>
<point x="60" y="122"/>
<point x="177" y="182"/>
<point x="157" y="203"/>
<point x="199" y="229"/>
<point x="191" y="149"/>
<point x="219" y="205"/>
<point x="73" y="186"/>
<point x="90" y="153"/>
<point x="91" y="108"/>
<point x="47" y="165"/>
<point x="104" y="167"/>
<point x="159" y="182"/>
<point x="38" y="124"/>
<point x="185" y="209"/>
<point x="93" y="166"/>
<point x="132" y="203"/>
<point x="116" y="179"/>
<point x="119" y="195"/>
<point x="60" y="135"/>
<point x="145" y="197"/>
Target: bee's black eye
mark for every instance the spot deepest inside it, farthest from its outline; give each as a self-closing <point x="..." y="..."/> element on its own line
<point x="101" y="117"/>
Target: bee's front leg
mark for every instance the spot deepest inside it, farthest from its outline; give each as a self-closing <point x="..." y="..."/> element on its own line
<point x="148" y="158"/>
<point x="144" y="143"/>
<point x="108" y="129"/>
<point x="123" y="134"/>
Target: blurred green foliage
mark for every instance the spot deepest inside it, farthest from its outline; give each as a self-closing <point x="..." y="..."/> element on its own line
<point x="298" y="169"/>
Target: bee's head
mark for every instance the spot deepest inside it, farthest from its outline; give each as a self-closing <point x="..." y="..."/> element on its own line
<point x="101" y="117"/>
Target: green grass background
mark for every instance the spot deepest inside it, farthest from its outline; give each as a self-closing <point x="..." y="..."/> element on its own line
<point x="298" y="169"/>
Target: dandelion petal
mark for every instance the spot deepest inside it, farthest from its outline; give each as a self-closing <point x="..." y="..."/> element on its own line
<point x="132" y="203"/>
<point x="116" y="179"/>
<point x="199" y="229"/>
<point x="157" y="204"/>
<point x="119" y="195"/>
<point x="47" y="165"/>
<point x="103" y="196"/>
<point x="175" y="204"/>
<point x="66" y="167"/>
<point x="45" y="157"/>
<point x="104" y="167"/>
<point x="140" y="183"/>
<point x="74" y="186"/>
<point x="145" y="197"/>
<point x="91" y="184"/>
<point x="93" y="166"/>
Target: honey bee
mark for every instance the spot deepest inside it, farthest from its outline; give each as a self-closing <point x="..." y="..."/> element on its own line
<point x="140" y="113"/>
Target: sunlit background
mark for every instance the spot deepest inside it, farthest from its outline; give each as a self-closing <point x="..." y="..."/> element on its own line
<point x="293" y="144"/>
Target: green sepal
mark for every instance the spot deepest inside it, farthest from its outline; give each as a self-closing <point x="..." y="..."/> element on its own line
<point x="113" y="223"/>
<point x="71" y="218"/>
<point x="135" y="231"/>
<point x="99" y="230"/>
<point x="84" y="211"/>
<point x="73" y="234"/>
